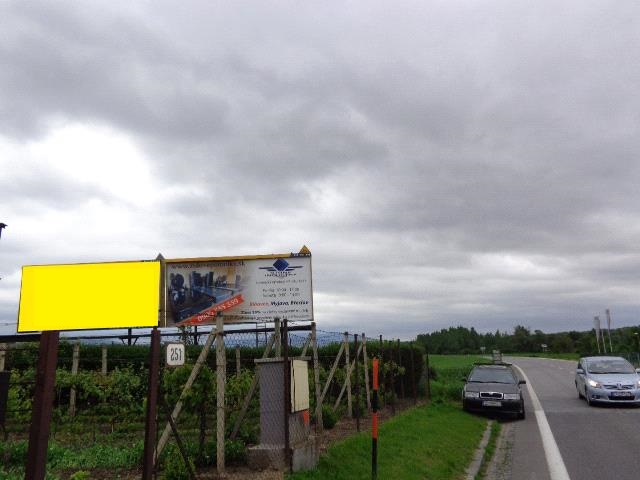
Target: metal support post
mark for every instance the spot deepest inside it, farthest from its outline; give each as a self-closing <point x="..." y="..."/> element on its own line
<point x="316" y="378"/>
<point x="286" y="368"/>
<point x="220" y="384"/>
<point x="42" y="406"/>
<point x="151" y="426"/>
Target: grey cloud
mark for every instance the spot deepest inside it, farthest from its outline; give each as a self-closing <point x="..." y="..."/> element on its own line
<point x="402" y="143"/>
<point x="73" y="64"/>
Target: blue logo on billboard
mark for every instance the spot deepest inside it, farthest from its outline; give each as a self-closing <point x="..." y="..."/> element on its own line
<point x="281" y="268"/>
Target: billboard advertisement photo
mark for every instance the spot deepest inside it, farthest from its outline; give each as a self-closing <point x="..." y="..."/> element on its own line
<point x="241" y="289"/>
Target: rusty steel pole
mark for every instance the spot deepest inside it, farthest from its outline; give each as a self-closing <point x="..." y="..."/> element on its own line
<point x="42" y="406"/>
<point x="152" y="407"/>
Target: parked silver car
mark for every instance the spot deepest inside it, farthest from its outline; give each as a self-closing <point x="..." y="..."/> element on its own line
<point x="607" y="380"/>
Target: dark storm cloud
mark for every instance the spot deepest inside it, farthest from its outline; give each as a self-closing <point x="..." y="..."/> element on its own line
<point x="446" y="163"/>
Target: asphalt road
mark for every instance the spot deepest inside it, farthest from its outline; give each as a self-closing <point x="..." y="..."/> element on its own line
<point x="594" y="442"/>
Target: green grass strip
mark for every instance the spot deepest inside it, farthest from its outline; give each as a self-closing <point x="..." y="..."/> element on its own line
<point x="489" y="451"/>
<point x="434" y="442"/>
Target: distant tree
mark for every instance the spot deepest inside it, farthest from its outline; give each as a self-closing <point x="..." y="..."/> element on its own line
<point x="522" y="339"/>
<point x="562" y="343"/>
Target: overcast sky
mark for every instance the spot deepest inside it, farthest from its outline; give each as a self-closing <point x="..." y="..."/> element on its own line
<point x="447" y="162"/>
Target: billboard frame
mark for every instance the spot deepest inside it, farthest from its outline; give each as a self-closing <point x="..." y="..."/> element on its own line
<point x="171" y="317"/>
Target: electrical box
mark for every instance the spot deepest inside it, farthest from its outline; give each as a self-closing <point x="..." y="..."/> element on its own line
<point x="299" y="385"/>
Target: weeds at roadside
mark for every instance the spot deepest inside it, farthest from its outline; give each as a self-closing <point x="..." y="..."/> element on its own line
<point x="490" y="450"/>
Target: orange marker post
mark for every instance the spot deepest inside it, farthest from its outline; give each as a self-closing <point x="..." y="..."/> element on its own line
<point x="374" y="420"/>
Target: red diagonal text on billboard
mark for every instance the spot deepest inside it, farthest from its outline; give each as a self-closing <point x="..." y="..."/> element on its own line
<point x="210" y="313"/>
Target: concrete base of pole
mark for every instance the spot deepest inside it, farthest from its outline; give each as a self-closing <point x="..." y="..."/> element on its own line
<point x="304" y="456"/>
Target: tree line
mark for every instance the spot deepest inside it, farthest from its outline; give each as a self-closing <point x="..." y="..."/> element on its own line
<point x="463" y="340"/>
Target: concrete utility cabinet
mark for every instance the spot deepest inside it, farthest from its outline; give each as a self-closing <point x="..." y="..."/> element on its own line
<point x="270" y="453"/>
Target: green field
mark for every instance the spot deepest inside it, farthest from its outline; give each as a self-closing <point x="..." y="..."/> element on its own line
<point x="434" y="441"/>
<point x="446" y="362"/>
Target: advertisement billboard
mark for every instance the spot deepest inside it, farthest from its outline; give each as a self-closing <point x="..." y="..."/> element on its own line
<point x="89" y="296"/>
<point x="241" y="289"/>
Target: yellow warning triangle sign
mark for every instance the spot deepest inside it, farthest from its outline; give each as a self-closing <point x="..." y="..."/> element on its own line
<point x="304" y="251"/>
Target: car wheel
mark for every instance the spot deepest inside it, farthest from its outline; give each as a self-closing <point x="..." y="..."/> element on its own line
<point x="521" y="413"/>
<point x="578" y="390"/>
<point x="586" y="396"/>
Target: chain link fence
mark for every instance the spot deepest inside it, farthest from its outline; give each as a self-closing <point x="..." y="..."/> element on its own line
<point x="101" y="392"/>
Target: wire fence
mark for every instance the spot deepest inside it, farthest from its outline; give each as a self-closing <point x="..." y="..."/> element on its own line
<point x="101" y="396"/>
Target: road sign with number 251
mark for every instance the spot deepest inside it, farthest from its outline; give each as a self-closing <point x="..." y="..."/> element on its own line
<point x="175" y="354"/>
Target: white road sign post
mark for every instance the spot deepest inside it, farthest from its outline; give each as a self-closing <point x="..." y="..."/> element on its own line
<point x="596" y="324"/>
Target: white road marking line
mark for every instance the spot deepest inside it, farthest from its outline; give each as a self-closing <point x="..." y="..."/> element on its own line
<point x="557" y="468"/>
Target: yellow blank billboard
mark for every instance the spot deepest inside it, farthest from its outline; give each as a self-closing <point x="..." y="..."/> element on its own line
<point x="88" y="296"/>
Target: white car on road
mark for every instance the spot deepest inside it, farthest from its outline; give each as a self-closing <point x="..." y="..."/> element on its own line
<point x="610" y="380"/>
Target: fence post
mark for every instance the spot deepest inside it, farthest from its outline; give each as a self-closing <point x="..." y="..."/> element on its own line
<point x="348" y="374"/>
<point x="178" y="406"/>
<point x="316" y="377"/>
<point x="220" y="384"/>
<point x="3" y="354"/>
<point x="104" y="359"/>
<point x="348" y="377"/>
<point x="306" y="346"/>
<point x="329" y="378"/>
<point x="413" y="375"/>
<point x="278" y="334"/>
<point x="404" y="375"/>
<point x="238" y="360"/>
<point x="286" y="369"/>
<point x="365" y="361"/>
<point x="74" y="372"/>
<point x="151" y="426"/>
<point x="428" y="374"/>
<point x="357" y="385"/>
<point x="391" y="379"/>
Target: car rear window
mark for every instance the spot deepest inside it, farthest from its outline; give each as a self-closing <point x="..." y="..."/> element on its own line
<point x="492" y="375"/>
